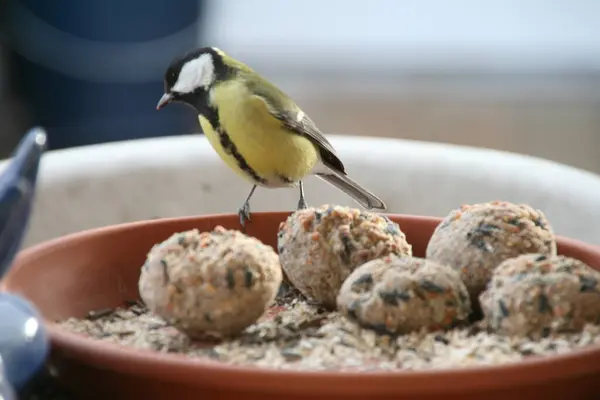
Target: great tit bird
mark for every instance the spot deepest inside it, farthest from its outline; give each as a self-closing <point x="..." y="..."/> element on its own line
<point x="255" y="128"/>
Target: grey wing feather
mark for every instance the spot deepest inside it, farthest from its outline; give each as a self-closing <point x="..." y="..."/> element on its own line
<point x="285" y="110"/>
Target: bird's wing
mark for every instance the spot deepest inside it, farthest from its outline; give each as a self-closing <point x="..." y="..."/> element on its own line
<point x="294" y="119"/>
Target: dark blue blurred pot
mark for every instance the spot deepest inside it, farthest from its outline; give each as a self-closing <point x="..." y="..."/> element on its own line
<point x="92" y="70"/>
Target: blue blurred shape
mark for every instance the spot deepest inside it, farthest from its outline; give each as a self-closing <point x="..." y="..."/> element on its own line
<point x="6" y="390"/>
<point x="17" y="189"/>
<point x="106" y="60"/>
<point x="23" y="340"/>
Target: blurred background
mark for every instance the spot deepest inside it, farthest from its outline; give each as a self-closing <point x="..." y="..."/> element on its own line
<point x="517" y="75"/>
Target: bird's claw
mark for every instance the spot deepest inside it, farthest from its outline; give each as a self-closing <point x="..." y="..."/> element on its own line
<point x="244" y="214"/>
<point x="302" y="204"/>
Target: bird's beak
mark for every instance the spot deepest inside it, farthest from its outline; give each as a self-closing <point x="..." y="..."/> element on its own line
<point x="164" y="100"/>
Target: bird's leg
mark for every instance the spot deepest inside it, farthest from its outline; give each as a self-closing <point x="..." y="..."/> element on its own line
<point x="244" y="211"/>
<point x="302" y="202"/>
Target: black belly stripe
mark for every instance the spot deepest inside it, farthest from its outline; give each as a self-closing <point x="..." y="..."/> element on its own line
<point x="231" y="149"/>
<point x="199" y="100"/>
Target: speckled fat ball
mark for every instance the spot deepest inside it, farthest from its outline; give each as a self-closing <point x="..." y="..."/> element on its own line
<point x="535" y="294"/>
<point x="210" y="284"/>
<point x="397" y="295"/>
<point x="320" y="247"/>
<point x="475" y="239"/>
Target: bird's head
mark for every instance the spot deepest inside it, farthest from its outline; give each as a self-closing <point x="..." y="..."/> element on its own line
<point x="191" y="75"/>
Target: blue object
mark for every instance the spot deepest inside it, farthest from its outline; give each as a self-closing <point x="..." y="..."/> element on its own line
<point x="17" y="189"/>
<point x="6" y="391"/>
<point x="23" y="340"/>
<point x="24" y="343"/>
<point x="92" y="71"/>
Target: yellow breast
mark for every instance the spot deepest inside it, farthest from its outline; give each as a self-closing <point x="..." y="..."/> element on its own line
<point x="270" y="152"/>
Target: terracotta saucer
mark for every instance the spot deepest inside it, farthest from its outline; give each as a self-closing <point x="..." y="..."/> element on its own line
<point x="96" y="269"/>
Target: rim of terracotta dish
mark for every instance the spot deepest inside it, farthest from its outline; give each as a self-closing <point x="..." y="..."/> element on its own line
<point x="145" y="362"/>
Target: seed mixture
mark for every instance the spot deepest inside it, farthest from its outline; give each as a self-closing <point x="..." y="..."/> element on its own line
<point x="211" y="283"/>
<point x="474" y="239"/>
<point x="403" y="294"/>
<point x="320" y="247"/>
<point x="300" y="336"/>
<point x="356" y="299"/>
<point x="533" y="294"/>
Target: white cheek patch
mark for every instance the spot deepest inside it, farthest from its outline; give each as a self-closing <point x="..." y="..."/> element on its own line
<point x="199" y="72"/>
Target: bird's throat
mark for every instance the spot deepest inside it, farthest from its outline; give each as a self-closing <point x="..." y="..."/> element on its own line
<point x="199" y="100"/>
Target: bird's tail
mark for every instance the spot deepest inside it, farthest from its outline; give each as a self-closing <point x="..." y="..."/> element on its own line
<point x="361" y="195"/>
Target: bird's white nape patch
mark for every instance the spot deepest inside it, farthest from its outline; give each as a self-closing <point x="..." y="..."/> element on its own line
<point x="199" y="72"/>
